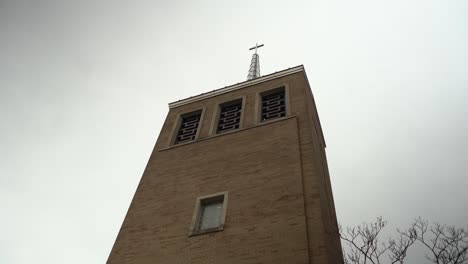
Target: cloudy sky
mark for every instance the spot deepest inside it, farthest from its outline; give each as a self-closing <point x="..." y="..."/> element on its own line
<point x="84" y="87"/>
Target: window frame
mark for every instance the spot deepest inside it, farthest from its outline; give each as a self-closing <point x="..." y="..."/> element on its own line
<point x="215" y="120"/>
<point x="178" y="123"/>
<point x="196" y="216"/>
<point x="258" y="103"/>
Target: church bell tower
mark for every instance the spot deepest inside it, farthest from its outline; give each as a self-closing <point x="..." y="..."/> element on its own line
<point x="238" y="175"/>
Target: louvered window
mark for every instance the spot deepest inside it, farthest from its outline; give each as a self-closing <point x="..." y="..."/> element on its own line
<point x="229" y="116"/>
<point x="210" y="214"/>
<point x="273" y="105"/>
<point x="188" y="127"/>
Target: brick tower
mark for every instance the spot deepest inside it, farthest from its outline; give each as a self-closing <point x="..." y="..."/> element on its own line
<point x="238" y="176"/>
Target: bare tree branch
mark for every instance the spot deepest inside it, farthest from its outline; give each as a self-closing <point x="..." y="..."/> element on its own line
<point x="446" y="244"/>
<point x="364" y="244"/>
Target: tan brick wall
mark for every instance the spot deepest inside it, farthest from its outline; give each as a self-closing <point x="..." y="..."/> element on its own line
<point x="280" y="207"/>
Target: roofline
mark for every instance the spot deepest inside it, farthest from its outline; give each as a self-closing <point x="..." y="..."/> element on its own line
<point x="237" y="86"/>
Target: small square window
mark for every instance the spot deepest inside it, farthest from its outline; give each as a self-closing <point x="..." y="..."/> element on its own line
<point x="209" y="214"/>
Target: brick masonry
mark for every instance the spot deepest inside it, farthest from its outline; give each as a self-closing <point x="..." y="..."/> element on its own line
<point x="280" y="207"/>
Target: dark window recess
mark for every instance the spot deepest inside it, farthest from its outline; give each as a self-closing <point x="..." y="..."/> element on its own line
<point x="273" y="105"/>
<point x="188" y="128"/>
<point x="229" y="117"/>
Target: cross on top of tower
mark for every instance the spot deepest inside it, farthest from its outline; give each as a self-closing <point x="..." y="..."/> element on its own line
<point x="254" y="70"/>
<point x="256" y="46"/>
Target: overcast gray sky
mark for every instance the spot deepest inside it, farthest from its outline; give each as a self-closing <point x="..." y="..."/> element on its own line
<point x="84" y="87"/>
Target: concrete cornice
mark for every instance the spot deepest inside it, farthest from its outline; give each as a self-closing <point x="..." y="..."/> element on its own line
<point x="237" y="86"/>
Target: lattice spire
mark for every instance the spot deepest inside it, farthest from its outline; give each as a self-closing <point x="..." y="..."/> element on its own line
<point x="254" y="71"/>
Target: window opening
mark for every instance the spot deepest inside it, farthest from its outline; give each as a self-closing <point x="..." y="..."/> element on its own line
<point x="210" y="214"/>
<point x="188" y="127"/>
<point x="273" y="105"/>
<point x="229" y="116"/>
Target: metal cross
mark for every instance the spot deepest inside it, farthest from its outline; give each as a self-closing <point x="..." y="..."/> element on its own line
<point x="256" y="46"/>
